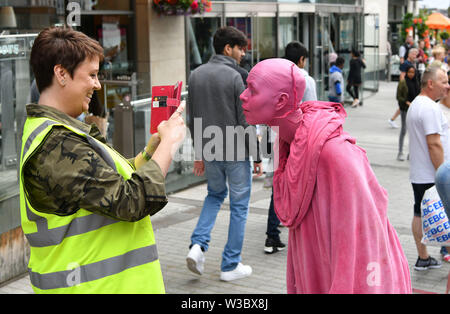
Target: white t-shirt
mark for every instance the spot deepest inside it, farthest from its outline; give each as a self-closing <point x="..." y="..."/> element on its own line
<point x="310" y="88"/>
<point x="424" y="118"/>
<point x="445" y="111"/>
<point x="402" y="51"/>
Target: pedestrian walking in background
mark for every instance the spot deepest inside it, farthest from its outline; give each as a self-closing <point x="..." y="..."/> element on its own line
<point x="354" y="77"/>
<point x="404" y="49"/>
<point x="428" y="149"/>
<point x="297" y="53"/>
<point x="214" y="90"/>
<point x="407" y="90"/>
<point x="411" y="60"/>
<point x="273" y="242"/>
<point x="438" y="59"/>
<point x="325" y="192"/>
<point x="336" y="82"/>
<point x="422" y="58"/>
<point x="84" y="207"/>
<point x="443" y="175"/>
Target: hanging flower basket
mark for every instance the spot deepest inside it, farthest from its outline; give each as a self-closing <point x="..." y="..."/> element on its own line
<point x="181" y="7"/>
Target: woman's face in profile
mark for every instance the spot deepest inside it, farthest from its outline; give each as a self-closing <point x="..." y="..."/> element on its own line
<point x="80" y="88"/>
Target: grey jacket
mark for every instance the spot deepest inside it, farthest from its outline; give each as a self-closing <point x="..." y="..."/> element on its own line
<point x="222" y="133"/>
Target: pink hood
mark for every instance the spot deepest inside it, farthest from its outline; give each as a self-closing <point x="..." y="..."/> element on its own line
<point x="295" y="178"/>
<point x="340" y="240"/>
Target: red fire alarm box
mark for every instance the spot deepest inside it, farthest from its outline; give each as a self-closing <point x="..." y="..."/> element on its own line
<point x="165" y="101"/>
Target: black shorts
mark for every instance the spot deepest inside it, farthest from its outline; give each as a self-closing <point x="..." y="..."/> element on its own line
<point x="419" y="190"/>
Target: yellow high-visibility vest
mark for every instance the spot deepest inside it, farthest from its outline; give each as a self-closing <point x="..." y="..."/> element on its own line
<point x="85" y="252"/>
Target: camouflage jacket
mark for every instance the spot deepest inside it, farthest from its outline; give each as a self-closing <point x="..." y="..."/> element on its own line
<point x="65" y="174"/>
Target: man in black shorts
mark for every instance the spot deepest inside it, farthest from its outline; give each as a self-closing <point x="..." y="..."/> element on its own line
<point x="428" y="149"/>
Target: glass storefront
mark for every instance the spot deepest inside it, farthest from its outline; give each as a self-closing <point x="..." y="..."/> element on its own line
<point x="320" y="26"/>
<point x="16" y="77"/>
<point x="371" y="51"/>
<point x="201" y="31"/>
<point x="261" y="36"/>
<point x="287" y="32"/>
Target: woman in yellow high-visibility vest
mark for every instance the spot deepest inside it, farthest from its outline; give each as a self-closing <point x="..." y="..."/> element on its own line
<point x="84" y="207"/>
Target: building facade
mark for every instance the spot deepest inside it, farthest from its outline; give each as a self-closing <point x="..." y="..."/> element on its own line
<point x="143" y="49"/>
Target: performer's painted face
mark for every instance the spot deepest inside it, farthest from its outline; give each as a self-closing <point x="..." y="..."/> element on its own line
<point x="258" y="100"/>
<point x="268" y="83"/>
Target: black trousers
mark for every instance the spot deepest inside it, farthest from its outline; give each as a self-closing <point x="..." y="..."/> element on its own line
<point x="355" y="92"/>
<point x="273" y="222"/>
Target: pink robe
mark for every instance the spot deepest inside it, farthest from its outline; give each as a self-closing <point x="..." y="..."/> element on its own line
<point x="325" y="192"/>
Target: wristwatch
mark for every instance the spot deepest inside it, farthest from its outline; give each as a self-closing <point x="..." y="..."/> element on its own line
<point x="146" y="155"/>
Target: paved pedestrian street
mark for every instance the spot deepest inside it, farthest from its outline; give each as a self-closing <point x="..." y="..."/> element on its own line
<point x="175" y="223"/>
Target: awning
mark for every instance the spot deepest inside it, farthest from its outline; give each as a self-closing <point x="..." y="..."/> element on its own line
<point x="438" y="21"/>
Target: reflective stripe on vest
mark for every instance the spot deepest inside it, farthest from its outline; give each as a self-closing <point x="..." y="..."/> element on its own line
<point x="48" y="237"/>
<point x="140" y="260"/>
<point x="94" y="271"/>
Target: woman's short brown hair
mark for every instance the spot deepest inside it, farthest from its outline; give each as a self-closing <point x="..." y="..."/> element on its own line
<point x="64" y="46"/>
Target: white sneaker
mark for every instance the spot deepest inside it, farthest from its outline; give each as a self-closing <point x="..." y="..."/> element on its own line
<point x="241" y="271"/>
<point x="195" y="259"/>
<point x="400" y="157"/>
<point x="393" y="124"/>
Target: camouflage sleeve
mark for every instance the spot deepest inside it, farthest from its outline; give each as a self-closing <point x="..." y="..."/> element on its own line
<point x="66" y="174"/>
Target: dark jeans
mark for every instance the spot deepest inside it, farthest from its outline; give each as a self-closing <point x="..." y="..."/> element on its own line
<point x="272" y="222"/>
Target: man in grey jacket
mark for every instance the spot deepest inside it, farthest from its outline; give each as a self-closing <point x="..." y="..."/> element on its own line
<point x="223" y="144"/>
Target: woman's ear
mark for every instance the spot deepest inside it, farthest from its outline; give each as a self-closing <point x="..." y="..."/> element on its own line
<point x="61" y="74"/>
<point x="283" y="100"/>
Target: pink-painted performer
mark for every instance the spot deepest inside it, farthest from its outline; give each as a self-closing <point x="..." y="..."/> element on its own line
<point x="325" y="192"/>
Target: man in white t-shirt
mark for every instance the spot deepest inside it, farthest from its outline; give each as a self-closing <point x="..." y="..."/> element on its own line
<point x="428" y="145"/>
<point x="297" y="53"/>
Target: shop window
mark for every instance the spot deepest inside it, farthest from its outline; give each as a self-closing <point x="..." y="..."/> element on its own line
<point x="17" y="17"/>
<point x="201" y="33"/>
<point x="266" y="38"/>
<point x="287" y="32"/>
<point x="16" y="76"/>
<point x="261" y="37"/>
<point x="112" y="24"/>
